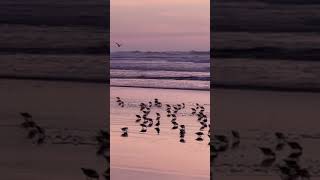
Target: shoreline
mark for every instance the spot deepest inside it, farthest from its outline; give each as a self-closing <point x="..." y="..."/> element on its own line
<point x="214" y="86"/>
<point x="263" y="88"/>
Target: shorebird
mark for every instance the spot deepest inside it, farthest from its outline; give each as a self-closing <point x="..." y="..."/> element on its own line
<point x="295" y="155"/>
<point x="158" y="123"/>
<point x="175" y="126"/>
<point x="32" y="133"/>
<point x="268" y="152"/>
<point x="124" y="132"/>
<point x="291" y="164"/>
<point x="41" y="139"/>
<point x="197" y="105"/>
<point x="199" y="133"/>
<point x="144" y="128"/>
<point x="157" y="129"/>
<point x="150" y="123"/>
<point x="182" y="140"/>
<point x="295" y="146"/>
<point x="39" y="129"/>
<point x="90" y="173"/>
<point x="182" y="133"/>
<point x="287" y="173"/>
<point x="28" y="124"/>
<point x="280" y="135"/>
<point x="280" y="146"/>
<point x="267" y="163"/>
<point x="304" y="174"/>
<point x="26" y="115"/>
<point x="193" y="111"/>
<point x="222" y="138"/>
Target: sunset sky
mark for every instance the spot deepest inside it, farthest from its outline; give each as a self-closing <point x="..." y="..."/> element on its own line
<point x="160" y="25"/>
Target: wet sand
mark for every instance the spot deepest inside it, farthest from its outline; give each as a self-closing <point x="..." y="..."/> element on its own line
<point x="152" y="156"/>
<point x="257" y="115"/>
<point x="74" y="111"/>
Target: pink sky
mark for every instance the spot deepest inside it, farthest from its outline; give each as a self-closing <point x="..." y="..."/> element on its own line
<point x="160" y="25"/>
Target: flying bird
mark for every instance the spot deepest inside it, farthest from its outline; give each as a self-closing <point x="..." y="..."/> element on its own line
<point x="118" y="44"/>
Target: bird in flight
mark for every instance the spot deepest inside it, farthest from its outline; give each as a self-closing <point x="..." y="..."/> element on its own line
<point x="118" y="44"/>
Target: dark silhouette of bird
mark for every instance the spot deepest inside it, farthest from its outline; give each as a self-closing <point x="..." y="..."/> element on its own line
<point x="28" y="124"/>
<point x="124" y="132"/>
<point x="118" y="44"/>
<point x="193" y="111"/>
<point x="280" y="136"/>
<point x="90" y="173"/>
<point x="222" y="138"/>
<point x="295" y="155"/>
<point x="40" y="129"/>
<point x="291" y="164"/>
<point x="295" y="146"/>
<point x="41" y="139"/>
<point x="183" y="105"/>
<point x="175" y="127"/>
<point x="280" y="146"/>
<point x="157" y="129"/>
<point x="32" y="133"/>
<point x="199" y="133"/>
<point x="287" y="173"/>
<point x="304" y="174"/>
<point x="267" y="152"/>
<point x="26" y="115"/>
<point x="143" y="130"/>
<point x="158" y="123"/>
<point x="267" y="162"/>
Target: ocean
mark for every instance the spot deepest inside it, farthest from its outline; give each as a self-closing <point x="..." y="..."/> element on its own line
<point x="173" y="70"/>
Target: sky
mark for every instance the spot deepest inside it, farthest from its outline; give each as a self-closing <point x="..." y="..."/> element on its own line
<point x="160" y="25"/>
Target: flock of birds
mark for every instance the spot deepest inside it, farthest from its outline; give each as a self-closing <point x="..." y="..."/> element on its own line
<point x="39" y="136"/>
<point x="146" y="121"/>
<point x="288" y="167"/>
<point x="35" y="132"/>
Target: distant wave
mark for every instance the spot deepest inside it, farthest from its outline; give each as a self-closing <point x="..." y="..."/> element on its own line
<point x="174" y="70"/>
<point x="51" y="78"/>
<point x="261" y="87"/>
<point x="308" y="54"/>
<point x="172" y="78"/>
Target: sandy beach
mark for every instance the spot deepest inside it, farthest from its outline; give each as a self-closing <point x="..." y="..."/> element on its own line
<point x="257" y="115"/>
<point x="152" y="156"/>
<point x="71" y="114"/>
